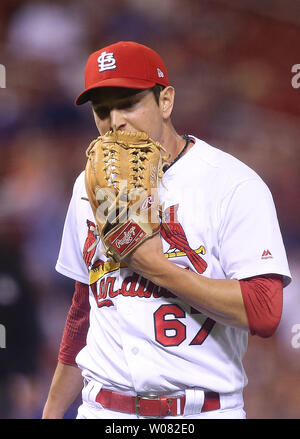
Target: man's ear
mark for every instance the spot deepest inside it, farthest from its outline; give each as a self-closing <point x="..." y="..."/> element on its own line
<point x="166" y="101"/>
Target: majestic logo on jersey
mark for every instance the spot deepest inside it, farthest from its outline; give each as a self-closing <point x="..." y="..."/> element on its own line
<point x="266" y="254"/>
<point x="106" y="61"/>
<point x="172" y="232"/>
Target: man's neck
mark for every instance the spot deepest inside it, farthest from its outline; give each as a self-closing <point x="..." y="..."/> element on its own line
<point x="174" y="144"/>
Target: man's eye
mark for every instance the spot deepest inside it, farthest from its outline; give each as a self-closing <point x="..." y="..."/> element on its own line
<point x="125" y="105"/>
<point x="102" y="113"/>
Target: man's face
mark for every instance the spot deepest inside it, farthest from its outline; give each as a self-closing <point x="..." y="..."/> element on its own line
<point x="127" y="109"/>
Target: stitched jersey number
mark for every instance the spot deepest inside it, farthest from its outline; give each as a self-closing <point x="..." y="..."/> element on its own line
<point x="171" y="332"/>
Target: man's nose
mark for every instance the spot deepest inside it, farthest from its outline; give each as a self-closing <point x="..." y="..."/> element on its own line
<point x="117" y="119"/>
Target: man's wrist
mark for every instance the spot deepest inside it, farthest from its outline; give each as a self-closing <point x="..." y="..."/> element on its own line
<point x="164" y="273"/>
<point x="52" y="411"/>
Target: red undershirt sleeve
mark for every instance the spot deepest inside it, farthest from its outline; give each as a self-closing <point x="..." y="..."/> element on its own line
<point x="263" y="298"/>
<point x="76" y="326"/>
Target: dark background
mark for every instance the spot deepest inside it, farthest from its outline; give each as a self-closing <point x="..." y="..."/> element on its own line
<point x="231" y="64"/>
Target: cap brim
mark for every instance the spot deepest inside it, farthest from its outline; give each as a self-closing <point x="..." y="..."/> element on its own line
<point x="85" y="96"/>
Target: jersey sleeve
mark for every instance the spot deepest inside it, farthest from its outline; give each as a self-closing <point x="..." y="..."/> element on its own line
<point x="250" y="239"/>
<point x="70" y="260"/>
<point x="263" y="300"/>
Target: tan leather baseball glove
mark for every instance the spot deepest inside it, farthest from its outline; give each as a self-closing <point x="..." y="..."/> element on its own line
<point x="121" y="177"/>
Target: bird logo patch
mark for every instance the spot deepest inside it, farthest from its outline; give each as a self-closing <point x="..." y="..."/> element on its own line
<point x="89" y="248"/>
<point x="172" y="232"/>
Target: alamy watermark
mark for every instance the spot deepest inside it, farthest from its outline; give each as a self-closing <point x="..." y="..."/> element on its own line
<point x="2" y="337"/>
<point x="2" y="76"/>
<point x="120" y="206"/>
<point x="296" y="78"/>
<point x="296" y="337"/>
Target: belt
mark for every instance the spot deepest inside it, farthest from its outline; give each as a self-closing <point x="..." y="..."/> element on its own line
<point x="155" y="406"/>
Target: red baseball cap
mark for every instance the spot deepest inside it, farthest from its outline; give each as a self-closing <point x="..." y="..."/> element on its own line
<point x="123" y="64"/>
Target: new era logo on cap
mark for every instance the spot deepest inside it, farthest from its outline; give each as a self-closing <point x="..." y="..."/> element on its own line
<point x="160" y="73"/>
<point x="124" y="64"/>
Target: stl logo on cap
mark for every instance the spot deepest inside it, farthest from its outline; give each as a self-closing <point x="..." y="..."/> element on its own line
<point x="106" y="61"/>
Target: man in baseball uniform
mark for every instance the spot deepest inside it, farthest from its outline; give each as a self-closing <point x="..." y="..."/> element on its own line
<point x="163" y="333"/>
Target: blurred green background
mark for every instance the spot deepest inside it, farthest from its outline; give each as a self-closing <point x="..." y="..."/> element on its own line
<point x="231" y="64"/>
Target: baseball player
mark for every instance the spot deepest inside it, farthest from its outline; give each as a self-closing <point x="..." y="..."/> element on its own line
<point x="163" y="333"/>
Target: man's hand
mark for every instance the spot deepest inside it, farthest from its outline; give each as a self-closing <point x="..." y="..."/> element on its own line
<point x="148" y="259"/>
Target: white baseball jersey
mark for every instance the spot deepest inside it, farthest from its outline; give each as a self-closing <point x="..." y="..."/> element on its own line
<point x="143" y="338"/>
